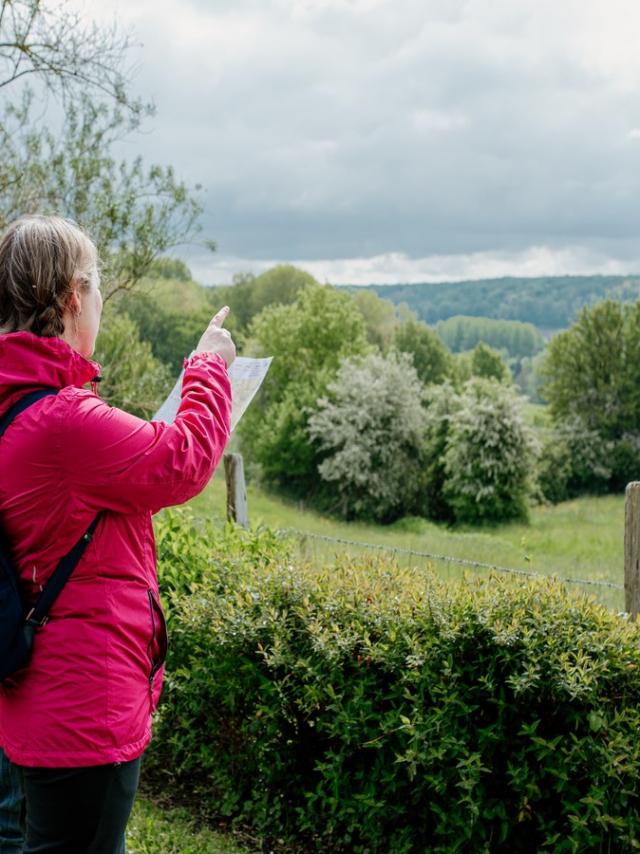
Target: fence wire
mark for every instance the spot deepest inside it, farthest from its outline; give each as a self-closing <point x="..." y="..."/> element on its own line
<point x="466" y="562"/>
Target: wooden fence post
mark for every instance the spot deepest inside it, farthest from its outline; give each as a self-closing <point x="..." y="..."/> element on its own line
<point x="237" y="510"/>
<point x="632" y="549"/>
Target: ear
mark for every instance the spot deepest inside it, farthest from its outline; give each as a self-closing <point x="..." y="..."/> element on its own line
<point x="73" y="303"/>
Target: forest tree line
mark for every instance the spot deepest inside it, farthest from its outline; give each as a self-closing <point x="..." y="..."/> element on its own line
<point x="366" y="413"/>
<point x="548" y="302"/>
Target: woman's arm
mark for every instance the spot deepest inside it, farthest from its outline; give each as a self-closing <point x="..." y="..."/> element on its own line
<point x="115" y="461"/>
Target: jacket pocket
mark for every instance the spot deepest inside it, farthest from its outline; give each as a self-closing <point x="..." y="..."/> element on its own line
<point x="157" y="646"/>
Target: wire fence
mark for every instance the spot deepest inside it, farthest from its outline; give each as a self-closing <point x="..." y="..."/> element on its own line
<point x="608" y="592"/>
<point x="620" y="597"/>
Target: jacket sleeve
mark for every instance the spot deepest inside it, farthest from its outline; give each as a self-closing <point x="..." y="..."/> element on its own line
<point x="116" y="461"/>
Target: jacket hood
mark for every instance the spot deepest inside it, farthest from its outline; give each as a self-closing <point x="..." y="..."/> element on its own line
<point x="28" y="361"/>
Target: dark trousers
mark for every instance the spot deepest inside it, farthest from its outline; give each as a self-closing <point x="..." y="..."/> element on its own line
<point x="79" y="810"/>
<point x="11" y="807"/>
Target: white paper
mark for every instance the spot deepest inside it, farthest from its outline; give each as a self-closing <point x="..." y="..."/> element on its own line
<point x="246" y="377"/>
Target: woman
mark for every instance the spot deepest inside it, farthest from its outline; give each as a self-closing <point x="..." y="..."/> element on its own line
<point x="77" y="718"/>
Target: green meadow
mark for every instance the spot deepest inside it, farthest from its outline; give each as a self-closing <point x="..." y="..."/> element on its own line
<point x="581" y="539"/>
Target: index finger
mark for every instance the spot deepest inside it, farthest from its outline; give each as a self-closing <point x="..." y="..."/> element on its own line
<point x="220" y="317"/>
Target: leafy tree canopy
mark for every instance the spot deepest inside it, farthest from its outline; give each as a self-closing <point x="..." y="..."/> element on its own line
<point x="591" y="370"/>
<point x="308" y="337"/>
<point x="134" y="212"/>
<point x="518" y="339"/>
<point x="50" y="43"/>
<point x="430" y="357"/>
<point x="250" y="294"/>
<point x="380" y="317"/>
<point x="172" y="335"/>
<point x="166" y="267"/>
<point x="133" y="379"/>
<point x="488" y="363"/>
<point x="549" y="302"/>
<point x="307" y="340"/>
<point x="483" y="362"/>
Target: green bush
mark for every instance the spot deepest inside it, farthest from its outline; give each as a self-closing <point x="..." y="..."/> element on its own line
<point x="371" y="708"/>
<point x="490" y="455"/>
<point x="478" y="454"/>
<point x="574" y="460"/>
<point x="192" y="553"/>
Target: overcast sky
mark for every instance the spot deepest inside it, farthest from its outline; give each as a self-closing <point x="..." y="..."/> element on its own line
<point x="397" y="140"/>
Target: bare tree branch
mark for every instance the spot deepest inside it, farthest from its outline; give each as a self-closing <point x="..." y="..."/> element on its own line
<point x="49" y="41"/>
<point x="134" y="213"/>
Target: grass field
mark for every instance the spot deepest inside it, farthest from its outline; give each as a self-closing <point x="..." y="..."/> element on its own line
<point x="155" y="830"/>
<point x="582" y="539"/>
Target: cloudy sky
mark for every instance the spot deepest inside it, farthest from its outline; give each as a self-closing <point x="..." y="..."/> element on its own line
<point x="397" y="140"/>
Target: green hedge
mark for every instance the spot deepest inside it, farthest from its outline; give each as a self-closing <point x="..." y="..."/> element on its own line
<point x="373" y="708"/>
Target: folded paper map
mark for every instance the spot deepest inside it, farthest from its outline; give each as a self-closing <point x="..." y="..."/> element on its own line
<point x="246" y="377"/>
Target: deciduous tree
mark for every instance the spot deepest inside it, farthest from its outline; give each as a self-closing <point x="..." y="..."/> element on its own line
<point x="250" y="294"/>
<point x="133" y="379"/>
<point x="133" y="211"/>
<point x="591" y="370"/>
<point x="488" y="363"/>
<point x="380" y="317"/>
<point x="430" y="357"/>
<point x="307" y="339"/>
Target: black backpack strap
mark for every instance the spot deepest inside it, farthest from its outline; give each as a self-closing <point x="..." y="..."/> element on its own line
<point x="37" y="616"/>
<point x="22" y="404"/>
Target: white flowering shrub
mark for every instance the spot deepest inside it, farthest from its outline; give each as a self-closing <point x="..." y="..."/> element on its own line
<point x="370" y="429"/>
<point x="490" y="455"/>
<point x="442" y="402"/>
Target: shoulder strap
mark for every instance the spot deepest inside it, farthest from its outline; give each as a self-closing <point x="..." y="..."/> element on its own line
<point x="38" y="614"/>
<point x="23" y="404"/>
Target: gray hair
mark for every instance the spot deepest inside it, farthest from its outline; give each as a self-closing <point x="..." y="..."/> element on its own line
<point x="40" y="258"/>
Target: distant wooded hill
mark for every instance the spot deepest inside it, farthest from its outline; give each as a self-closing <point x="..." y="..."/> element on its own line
<point x="550" y="302"/>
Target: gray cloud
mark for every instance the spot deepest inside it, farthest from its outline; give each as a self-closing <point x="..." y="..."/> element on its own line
<point x="328" y="129"/>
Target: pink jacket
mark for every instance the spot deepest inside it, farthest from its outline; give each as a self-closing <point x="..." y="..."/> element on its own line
<point x="87" y="695"/>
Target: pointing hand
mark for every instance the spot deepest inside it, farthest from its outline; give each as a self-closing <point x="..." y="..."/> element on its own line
<point x="215" y="339"/>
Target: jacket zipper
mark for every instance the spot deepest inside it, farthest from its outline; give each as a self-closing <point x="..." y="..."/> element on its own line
<point x="155" y="611"/>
